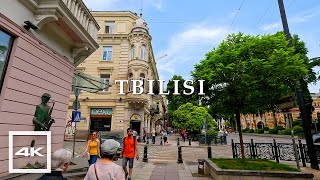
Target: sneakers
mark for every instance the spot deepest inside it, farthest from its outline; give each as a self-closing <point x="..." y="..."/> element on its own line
<point x="126" y="175"/>
<point x="129" y="178"/>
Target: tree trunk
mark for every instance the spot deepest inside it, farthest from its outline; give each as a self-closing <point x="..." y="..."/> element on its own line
<point x="240" y="133"/>
<point x="254" y="122"/>
<point x="275" y="119"/>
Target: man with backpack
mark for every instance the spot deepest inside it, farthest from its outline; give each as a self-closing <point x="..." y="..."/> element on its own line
<point x="129" y="152"/>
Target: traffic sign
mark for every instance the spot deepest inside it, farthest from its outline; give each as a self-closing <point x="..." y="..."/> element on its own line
<point x="76" y="116"/>
<point x="76" y="105"/>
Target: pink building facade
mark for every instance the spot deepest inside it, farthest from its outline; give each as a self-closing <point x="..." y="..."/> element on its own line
<point x="37" y="61"/>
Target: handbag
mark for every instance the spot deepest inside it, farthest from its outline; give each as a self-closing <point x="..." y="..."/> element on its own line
<point x="88" y="156"/>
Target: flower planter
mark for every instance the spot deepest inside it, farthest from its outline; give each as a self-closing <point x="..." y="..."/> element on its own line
<point x="230" y="174"/>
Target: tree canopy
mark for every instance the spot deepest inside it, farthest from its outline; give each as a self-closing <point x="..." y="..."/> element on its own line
<point x="245" y="73"/>
<point x="188" y="116"/>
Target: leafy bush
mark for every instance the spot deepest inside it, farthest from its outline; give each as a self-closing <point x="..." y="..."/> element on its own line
<point x="298" y="130"/>
<point x="279" y="128"/>
<point x="250" y="131"/>
<point x="273" y="131"/>
<point x="245" y="130"/>
<point x="212" y="132"/>
<point x="260" y="131"/>
<point x="287" y="131"/>
<point x="265" y="128"/>
<point x="297" y="123"/>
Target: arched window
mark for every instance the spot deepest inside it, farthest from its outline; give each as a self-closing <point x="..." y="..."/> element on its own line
<point x="132" y="52"/>
<point x="130" y="82"/>
<point x="143" y="52"/>
<point x="143" y="78"/>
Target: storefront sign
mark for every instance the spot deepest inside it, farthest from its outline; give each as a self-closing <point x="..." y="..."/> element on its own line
<point x="107" y="111"/>
<point x="135" y="117"/>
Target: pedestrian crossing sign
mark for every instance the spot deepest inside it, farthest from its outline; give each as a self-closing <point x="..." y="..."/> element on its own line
<point x="76" y="116"/>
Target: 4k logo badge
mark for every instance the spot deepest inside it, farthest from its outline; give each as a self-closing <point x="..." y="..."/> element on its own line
<point x="29" y="152"/>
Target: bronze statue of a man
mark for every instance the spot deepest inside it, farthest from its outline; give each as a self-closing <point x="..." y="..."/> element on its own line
<point x="42" y="115"/>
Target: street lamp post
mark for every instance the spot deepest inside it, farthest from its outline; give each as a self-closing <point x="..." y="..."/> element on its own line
<point x="305" y="113"/>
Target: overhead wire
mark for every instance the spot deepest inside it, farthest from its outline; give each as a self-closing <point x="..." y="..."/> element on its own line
<point x="265" y="13"/>
<point x="234" y="18"/>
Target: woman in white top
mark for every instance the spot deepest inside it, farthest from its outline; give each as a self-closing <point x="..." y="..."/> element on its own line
<point x="104" y="168"/>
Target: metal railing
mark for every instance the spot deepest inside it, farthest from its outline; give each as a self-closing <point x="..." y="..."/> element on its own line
<point x="274" y="151"/>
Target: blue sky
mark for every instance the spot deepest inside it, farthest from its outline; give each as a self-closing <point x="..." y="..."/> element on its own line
<point x="187" y="30"/>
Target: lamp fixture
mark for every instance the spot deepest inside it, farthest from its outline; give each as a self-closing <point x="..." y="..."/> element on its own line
<point x="29" y="25"/>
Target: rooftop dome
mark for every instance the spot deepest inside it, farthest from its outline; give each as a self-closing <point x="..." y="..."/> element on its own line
<point x="140" y="26"/>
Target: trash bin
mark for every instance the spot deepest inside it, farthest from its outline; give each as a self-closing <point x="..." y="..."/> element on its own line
<point x="200" y="166"/>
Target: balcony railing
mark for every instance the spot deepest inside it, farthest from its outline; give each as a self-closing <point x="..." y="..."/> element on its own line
<point x="83" y="15"/>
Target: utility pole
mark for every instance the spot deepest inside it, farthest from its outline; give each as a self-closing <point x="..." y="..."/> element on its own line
<point x="300" y="98"/>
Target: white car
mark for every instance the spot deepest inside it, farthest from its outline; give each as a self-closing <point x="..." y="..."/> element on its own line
<point x="316" y="139"/>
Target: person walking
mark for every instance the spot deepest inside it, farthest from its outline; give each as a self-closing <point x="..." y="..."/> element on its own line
<point x="105" y="168"/>
<point x="153" y="132"/>
<point x="129" y="152"/>
<point x="182" y="134"/>
<point x="144" y="135"/>
<point x="165" y="137"/>
<point x="60" y="161"/>
<point x="93" y="147"/>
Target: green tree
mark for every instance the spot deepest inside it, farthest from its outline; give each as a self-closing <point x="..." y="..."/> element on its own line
<point x="177" y="100"/>
<point x="188" y="116"/>
<point x="246" y="73"/>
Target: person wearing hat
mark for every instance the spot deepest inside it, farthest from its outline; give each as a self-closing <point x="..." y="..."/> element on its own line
<point x="105" y="168"/>
<point x="42" y="113"/>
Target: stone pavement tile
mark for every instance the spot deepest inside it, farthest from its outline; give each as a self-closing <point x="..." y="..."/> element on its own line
<point x="172" y="170"/>
<point x="142" y="177"/>
<point x="147" y="170"/>
<point x="145" y="173"/>
<point x="202" y="178"/>
<point x="186" y="178"/>
<point x="158" y="173"/>
<point x="185" y="174"/>
<point x="157" y="177"/>
<point x="172" y="176"/>
<point x="159" y="169"/>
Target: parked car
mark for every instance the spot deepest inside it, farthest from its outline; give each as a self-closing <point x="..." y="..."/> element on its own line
<point x="316" y="139"/>
<point x="117" y="136"/>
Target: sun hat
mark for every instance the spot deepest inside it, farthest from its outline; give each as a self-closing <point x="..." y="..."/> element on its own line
<point x="110" y="146"/>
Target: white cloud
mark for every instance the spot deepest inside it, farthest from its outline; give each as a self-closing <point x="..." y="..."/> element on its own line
<point x="296" y="19"/>
<point x="189" y="46"/>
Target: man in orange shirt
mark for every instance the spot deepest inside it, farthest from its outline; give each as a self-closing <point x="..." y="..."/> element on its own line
<point x="128" y="152"/>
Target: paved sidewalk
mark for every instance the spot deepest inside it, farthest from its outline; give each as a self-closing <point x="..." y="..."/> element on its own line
<point x="164" y="171"/>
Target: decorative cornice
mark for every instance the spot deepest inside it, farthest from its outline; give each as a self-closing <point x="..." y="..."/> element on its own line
<point x="46" y="15"/>
<point x="79" y="50"/>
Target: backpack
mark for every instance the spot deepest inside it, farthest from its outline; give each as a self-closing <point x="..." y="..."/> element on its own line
<point x="134" y="145"/>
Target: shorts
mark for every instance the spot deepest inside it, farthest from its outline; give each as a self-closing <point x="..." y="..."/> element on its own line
<point x="93" y="159"/>
<point x="165" y="139"/>
<point x="125" y="162"/>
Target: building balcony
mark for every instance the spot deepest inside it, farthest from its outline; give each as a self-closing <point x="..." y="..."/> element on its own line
<point x="137" y="98"/>
<point x="73" y="18"/>
<point x="137" y="63"/>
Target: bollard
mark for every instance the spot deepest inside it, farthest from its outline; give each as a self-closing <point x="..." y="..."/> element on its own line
<point x="178" y="143"/>
<point x="189" y="142"/>
<point x="209" y="152"/>
<point x="145" y="154"/>
<point x="179" y="155"/>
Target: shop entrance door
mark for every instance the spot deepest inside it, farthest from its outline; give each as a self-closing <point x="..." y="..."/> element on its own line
<point x="100" y="124"/>
<point x="136" y="125"/>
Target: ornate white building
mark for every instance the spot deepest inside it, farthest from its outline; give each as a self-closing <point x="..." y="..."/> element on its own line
<point x="125" y="53"/>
